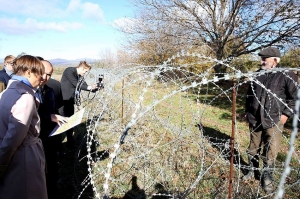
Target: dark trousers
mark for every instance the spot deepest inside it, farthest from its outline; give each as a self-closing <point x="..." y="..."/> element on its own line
<point x="51" y="147"/>
<point x="68" y="110"/>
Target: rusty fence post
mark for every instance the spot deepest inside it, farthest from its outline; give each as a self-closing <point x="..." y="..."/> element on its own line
<point x="232" y="139"/>
<point x="122" y="114"/>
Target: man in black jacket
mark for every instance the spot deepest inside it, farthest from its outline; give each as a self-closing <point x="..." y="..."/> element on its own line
<point x="7" y="71"/>
<point x="270" y="102"/>
<point x="72" y="79"/>
<point x="48" y="112"/>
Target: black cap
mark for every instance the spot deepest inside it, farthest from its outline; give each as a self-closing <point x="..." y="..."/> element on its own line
<point x="269" y="52"/>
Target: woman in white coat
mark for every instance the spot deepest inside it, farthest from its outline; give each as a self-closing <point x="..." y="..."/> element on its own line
<point x="22" y="160"/>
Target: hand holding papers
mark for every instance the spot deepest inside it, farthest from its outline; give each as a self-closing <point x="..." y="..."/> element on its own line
<point x="74" y="120"/>
<point x="60" y="120"/>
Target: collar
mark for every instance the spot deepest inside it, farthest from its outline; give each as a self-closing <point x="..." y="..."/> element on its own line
<point x="22" y="79"/>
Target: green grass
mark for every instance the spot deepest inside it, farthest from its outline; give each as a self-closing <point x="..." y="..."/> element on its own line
<point x="166" y="138"/>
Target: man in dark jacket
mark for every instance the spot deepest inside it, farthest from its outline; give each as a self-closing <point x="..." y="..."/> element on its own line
<point x="7" y="71"/>
<point x="270" y="102"/>
<point x="48" y="112"/>
<point x="71" y="82"/>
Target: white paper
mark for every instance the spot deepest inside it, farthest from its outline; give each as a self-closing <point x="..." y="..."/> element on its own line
<point x="74" y="120"/>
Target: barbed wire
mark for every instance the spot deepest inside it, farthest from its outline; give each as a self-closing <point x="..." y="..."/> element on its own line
<point x="164" y="129"/>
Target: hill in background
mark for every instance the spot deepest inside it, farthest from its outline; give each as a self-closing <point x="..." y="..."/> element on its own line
<point x="66" y="62"/>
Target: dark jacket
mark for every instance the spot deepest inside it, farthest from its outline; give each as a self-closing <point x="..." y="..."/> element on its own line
<point x="55" y="85"/>
<point x="45" y="110"/>
<point x="4" y="77"/>
<point x="21" y="151"/>
<point x="69" y="82"/>
<point x="263" y="105"/>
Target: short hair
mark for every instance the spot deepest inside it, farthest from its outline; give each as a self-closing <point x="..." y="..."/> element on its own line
<point x="9" y="59"/>
<point x="84" y="65"/>
<point x="28" y="62"/>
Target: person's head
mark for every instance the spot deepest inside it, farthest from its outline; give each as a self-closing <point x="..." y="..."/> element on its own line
<point x="270" y="57"/>
<point x="30" y="67"/>
<point x="82" y="68"/>
<point x="8" y="62"/>
<point x="48" y="72"/>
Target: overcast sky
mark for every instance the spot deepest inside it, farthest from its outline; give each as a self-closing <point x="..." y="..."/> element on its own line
<point x="68" y="29"/>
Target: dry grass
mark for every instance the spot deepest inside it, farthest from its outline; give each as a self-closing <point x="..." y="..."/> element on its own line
<point x="166" y="147"/>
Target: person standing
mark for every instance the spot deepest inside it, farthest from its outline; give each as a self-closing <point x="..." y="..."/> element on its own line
<point x="69" y="80"/>
<point x="55" y="85"/>
<point x="267" y="114"/>
<point x="7" y="71"/>
<point x="49" y="116"/>
<point x="22" y="159"/>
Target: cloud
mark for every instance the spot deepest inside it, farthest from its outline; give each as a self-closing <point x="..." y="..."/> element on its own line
<point x="51" y="9"/>
<point x="74" y="5"/>
<point x="89" y="10"/>
<point x="92" y="11"/>
<point x="14" y="26"/>
<point x="32" y="8"/>
<point x="23" y="17"/>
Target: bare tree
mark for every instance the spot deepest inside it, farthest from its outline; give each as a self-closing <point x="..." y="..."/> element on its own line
<point x="230" y="27"/>
<point x="108" y="58"/>
<point x="125" y="58"/>
<point x="153" y="38"/>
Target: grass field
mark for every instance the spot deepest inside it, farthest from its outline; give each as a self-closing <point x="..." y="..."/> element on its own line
<point x="179" y="142"/>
